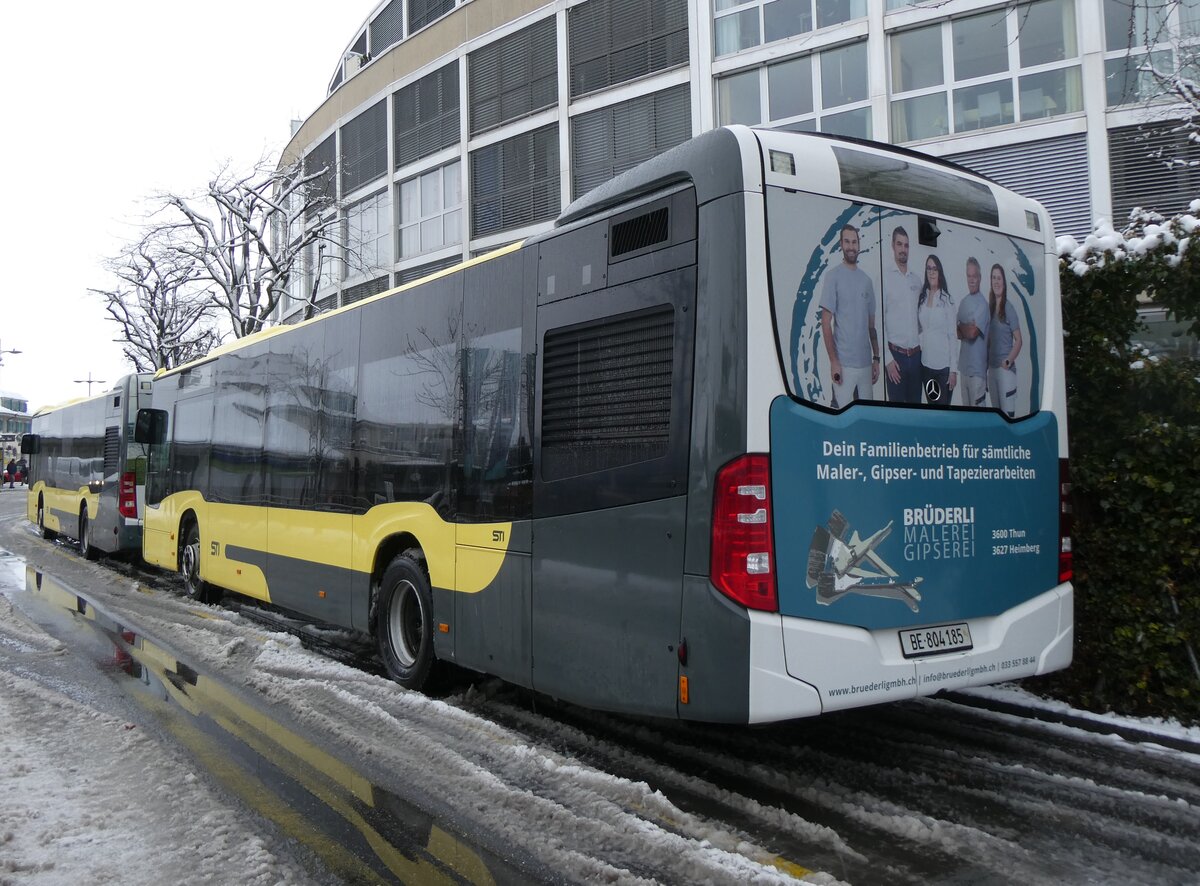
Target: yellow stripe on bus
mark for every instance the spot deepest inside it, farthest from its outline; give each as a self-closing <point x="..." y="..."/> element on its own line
<point x="460" y="557"/>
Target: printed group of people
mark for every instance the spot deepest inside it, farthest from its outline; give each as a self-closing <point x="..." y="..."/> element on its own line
<point x="935" y="344"/>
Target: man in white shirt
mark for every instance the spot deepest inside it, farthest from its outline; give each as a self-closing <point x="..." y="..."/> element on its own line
<point x="901" y="289"/>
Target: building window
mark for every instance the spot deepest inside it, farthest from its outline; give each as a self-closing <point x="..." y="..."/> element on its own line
<point x="1045" y="94"/>
<point x="856" y="123"/>
<point x="424" y="12"/>
<point x="786" y="18"/>
<point x="323" y="261"/>
<point x="739" y="99"/>
<point x="983" y="106"/>
<point x="296" y="292"/>
<point x="1142" y="39"/>
<point x="1047" y="32"/>
<point x="923" y="116"/>
<point x="986" y="70"/>
<point x="1129" y="79"/>
<point x="789" y="88"/>
<point x="513" y="77"/>
<point x="826" y="90"/>
<point x="321" y="162"/>
<point x="742" y="24"/>
<point x="515" y="182"/>
<point x="369" y="236"/>
<point x="614" y="41"/>
<point x="917" y="58"/>
<point x="844" y="75"/>
<point x="736" y="31"/>
<point x="980" y="45"/>
<point x="410" y="274"/>
<point x="387" y="28"/>
<point x="1165" y="185"/>
<point x="610" y="140"/>
<point x="357" y="293"/>
<point x="426" y="115"/>
<point x="364" y="148"/>
<point x="431" y="210"/>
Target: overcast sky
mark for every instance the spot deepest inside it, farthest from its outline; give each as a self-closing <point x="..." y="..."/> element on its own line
<point x="106" y="104"/>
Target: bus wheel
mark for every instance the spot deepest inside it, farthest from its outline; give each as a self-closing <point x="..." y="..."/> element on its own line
<point x="189" y="566"/>
<point x="85" y="536"/>
<point x="41" y="517"/>
<point x="404" y="626"/>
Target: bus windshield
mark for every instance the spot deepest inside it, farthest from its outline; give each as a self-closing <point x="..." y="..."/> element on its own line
<point x="881" y="304"/>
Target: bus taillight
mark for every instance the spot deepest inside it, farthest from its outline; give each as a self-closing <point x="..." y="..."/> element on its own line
<point x="1066" y="559"/>
<point x="127" y="499"/>
<point x="743" y="555"/>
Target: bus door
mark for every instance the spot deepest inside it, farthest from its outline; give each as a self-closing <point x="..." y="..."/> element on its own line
<point x="612" y="413"/>
<point x="233" y="539"/>
<point x="136" y="454"/>
<point x="492" y="560"/>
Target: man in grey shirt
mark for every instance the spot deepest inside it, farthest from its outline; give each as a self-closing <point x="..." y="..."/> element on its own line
<point x="848" y="325"/>
<point x="973" y="319"/>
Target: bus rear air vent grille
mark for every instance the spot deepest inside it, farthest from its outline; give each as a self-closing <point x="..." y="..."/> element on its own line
<point x="112" y="450"/>
<point x="606" y="393"/>
<point x="640" y="232"/>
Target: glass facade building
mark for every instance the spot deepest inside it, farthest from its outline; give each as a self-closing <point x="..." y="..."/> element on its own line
<point x="452" y="127"/>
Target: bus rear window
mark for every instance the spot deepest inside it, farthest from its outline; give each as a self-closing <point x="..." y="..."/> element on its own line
<point x="894" y="180"/>
<point x="880" y="304"/>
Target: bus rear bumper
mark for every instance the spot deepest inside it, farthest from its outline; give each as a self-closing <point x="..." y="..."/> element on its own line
<point x="801" y="667"/>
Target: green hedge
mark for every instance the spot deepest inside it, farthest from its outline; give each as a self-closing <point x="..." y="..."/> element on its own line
<point x="1134" y="426"/>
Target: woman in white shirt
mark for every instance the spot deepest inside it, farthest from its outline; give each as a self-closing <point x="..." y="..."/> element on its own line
<point x="936" y="317"/>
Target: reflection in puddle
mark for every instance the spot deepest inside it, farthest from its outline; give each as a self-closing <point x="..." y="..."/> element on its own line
<point x="362" y="833"/>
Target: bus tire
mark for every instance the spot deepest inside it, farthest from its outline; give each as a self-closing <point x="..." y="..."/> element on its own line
<point x="189" y="567"/>
<point x="86" y="548"/>
<point x="404" y="625"/>
<point x="48" y="534"/>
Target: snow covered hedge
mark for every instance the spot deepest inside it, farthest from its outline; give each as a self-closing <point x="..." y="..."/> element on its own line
<point x="1135" y="466"/>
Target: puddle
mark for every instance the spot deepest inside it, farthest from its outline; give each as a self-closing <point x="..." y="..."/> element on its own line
<point x="362" y="832"/>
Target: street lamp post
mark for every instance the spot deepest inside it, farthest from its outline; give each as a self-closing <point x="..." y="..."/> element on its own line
<point x="3" y="423"/>
<point x="4" y="351"/>
<point x="89" y="381"/>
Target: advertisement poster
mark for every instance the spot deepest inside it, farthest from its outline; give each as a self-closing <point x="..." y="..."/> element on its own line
<point x="894" y="517"/>
<point x="878" y="304"/>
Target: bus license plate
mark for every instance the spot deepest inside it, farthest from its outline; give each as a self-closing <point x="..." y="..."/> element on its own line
<point x="935" y="640"/>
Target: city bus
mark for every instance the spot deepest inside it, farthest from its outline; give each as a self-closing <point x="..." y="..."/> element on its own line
<point x="617" y="464"/>
<point x="86" y="474"/>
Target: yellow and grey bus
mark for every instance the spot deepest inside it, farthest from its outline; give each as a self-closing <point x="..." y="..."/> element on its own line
<point x="649" y="460"/>
<point x="86" y="474"/>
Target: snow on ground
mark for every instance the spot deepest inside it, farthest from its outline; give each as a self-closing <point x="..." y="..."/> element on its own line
<point x="1015" y="695"/>
<point x="74" y="784"/>
<point x="87" y="797"/>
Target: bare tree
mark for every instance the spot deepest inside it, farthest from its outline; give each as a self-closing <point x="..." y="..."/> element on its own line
<point x="1174" y="75"/>
<point x="247" y="235"/>
<point x="165" y="317"/>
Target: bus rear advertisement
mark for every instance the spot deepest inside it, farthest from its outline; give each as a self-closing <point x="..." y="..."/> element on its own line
<point x="928" y="489"/>
<point x="770" y="425"/>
